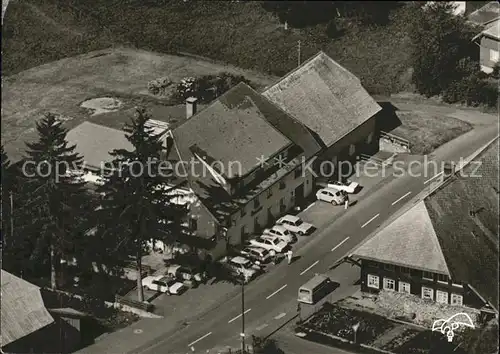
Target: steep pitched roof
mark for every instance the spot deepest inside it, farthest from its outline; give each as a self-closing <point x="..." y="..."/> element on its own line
<point x="409" y="241"/>
<point x="453" y="231"/>
<point x="470" y="242"/>
<point x="23" y="310"/>
<point x="238" y="127"/>
<point x="232" y="130"/>
<point x="324" y="96"/>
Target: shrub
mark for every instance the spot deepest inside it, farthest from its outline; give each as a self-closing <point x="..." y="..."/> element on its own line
<point x="208" y="87"/>
<point x="472" y="90"/>
<point x="158" y="86"/>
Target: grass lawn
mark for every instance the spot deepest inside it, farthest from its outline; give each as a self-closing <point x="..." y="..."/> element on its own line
<point x="61" y="86"/>
<point x="426" y="132"/>
<point x="238" y="33"/>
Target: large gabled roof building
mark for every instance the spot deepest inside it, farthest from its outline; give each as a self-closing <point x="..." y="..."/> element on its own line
<point x="444" y="248"/>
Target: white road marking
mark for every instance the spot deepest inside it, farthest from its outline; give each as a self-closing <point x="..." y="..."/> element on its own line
<point x="312" y="265"/>
<point x="398" y="200"/>
<point x="262" y="327"/>
<point x="369" y="221"/>
<point x="281" y="315"/>
<point x="430" y="179"/>
<point x="340" y="244"/>
<point x="277" y="291"/>
<point x="234" y="319"/>
<point x="202" y="337"/>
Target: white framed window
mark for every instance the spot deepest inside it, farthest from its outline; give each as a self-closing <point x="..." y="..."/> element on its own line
<point x="389" y="284"/>
<point x="369" y="138"/>
<point x="404" y="287"/>
<point x="373" y="281"/>
<point x="352" y="149"/>
<point x="457" y="299"/>
<point x="494" y="55"/>
<point x="441" y="297"/>
<point x="427" y="293"/>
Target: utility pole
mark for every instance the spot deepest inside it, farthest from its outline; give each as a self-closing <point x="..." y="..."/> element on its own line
<point x="298" y="56"/>
<point x="243" y="351"/>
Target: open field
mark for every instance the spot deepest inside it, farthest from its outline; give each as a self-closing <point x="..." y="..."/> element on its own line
<point x="60" y="87"/>
<point x="240" y="33"/>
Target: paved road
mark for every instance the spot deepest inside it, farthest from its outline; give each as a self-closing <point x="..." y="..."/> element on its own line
<point x="271" y="299"/>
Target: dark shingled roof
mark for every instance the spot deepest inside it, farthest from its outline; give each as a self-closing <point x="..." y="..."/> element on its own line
<point x="23" y="310"/>
<point x="324" y="96"/>
<point x="470" y="243"/>
<point x="233" y="129"/>
<point x="467" y="243"/>
<point x="238" y="126"/>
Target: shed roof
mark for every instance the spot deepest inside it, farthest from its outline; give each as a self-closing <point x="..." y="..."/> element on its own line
<point x="23" y="310"/>
<point x="324" y="96"/>
<point x="94" y="142"/>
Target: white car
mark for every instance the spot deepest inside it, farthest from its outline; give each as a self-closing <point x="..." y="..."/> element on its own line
<point x="163" y="284"/>
<point x="281" y="232"/>
<point x="256" y="254"/>
<point x="271" y="243"/>
<point x="348" y="186"/>
<point x="240" y="266"/>
<point x="329" y="195"/>
<point x="295" y="225"/>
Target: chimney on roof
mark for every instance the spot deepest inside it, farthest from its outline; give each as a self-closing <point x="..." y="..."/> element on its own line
<point x="191" y="106"/>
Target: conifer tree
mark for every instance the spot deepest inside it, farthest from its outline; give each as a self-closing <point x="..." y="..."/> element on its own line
<point x="137" y="204"/>
<point x="52" y="196"/>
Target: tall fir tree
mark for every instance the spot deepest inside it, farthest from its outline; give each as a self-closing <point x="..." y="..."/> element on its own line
<point x="137" y="203"/>
<point x="54" y="197"/>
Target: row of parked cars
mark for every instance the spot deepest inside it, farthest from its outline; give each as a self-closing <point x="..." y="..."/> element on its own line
<point x="176" y="280"/>
<point x="335" y="192"/>
<point x="259" y="252"/>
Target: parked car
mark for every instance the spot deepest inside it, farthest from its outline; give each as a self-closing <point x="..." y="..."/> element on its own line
<point x="295" y="225"/>
<point x="256" y="254"/>
<point x="186" y="274"/>
<point x="271" y="243"/>
<point x="163" y="284"/>
<point x="347" y="186"/>
<point x="241" y="266"/>
<point x="330" y="195"/>
<point x="281" y="232"/>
